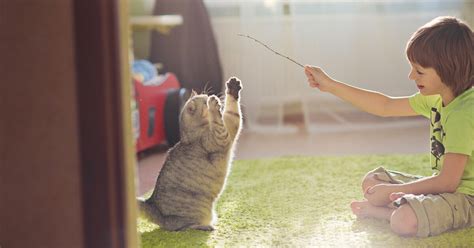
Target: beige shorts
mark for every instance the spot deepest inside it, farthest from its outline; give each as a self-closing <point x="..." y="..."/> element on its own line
<point x="436" y="213"/>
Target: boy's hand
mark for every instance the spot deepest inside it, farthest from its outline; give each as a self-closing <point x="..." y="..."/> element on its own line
<point x="379" y="195"/>
<point x="317" y="78"/>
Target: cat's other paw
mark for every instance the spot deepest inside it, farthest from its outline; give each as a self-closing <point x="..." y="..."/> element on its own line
<point x="202" y="228"/>
<point x="234" y="85"/>
<point x="214" y="104"/>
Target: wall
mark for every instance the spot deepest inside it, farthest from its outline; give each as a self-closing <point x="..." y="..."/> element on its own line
<point x="141" y="39"/>
<point x="362" y="44"/>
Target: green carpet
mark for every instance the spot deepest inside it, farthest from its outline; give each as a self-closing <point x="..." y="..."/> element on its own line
<point x="301" y="202"/>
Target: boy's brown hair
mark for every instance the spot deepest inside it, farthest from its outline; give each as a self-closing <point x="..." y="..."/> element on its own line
<point x="445" y="44"/>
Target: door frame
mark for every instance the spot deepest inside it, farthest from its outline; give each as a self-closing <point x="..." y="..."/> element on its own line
<point x="106" y="145"/>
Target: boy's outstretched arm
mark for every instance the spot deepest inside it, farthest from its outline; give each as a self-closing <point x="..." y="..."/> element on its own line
<point x="446" y="181"/>
<point x="369" y="101"/>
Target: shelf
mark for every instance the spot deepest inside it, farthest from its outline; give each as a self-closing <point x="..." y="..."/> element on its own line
<point x="160" y="23"/>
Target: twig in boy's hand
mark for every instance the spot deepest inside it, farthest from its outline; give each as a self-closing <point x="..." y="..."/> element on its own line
<point x="284" y="56"/>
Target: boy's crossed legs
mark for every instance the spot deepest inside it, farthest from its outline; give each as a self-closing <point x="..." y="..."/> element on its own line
<point x="403" y="219"/>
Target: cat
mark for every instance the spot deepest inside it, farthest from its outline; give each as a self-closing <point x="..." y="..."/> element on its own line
<point x="195" y="169"/>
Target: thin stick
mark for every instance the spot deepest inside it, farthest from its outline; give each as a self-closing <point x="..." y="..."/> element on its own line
<point x="284" y="56"/>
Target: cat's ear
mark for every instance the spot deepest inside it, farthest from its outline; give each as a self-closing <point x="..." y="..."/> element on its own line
<point x="193" y="93"/>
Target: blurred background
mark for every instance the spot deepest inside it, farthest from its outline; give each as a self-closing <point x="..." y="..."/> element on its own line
<point x="360" y="42"/>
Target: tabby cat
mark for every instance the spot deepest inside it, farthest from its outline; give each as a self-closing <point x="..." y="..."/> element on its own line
<point x="196" y="168"/>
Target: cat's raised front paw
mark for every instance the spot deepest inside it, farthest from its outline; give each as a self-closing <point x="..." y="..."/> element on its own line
<point x="214" y="103"/>
<point x="234" y="85"/>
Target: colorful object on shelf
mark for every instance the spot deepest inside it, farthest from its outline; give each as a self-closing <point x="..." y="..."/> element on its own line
<point x="144" y="70"/>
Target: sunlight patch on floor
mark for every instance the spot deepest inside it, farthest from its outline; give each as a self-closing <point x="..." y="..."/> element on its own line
<point x="337" y="232"/>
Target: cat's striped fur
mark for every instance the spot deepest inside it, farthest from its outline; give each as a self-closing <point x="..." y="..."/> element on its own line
<point x="196" y="168"/>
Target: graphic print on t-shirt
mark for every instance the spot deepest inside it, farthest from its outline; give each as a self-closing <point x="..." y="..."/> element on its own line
<point x="437" y="136"/>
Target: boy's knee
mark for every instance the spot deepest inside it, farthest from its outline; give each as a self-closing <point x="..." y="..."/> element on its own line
<point x="370" y="180"/>
<point x="403" y="221"/>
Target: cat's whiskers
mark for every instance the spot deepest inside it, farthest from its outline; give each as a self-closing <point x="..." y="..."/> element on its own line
<point x="207" y="88"/>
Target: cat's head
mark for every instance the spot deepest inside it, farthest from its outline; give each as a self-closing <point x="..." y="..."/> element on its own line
<point x="194" y="115"/>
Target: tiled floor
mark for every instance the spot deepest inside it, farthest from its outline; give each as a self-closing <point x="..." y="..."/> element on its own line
<point x="390" y="140"/>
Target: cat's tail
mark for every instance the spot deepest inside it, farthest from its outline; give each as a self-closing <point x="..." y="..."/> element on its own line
<point x="149" y="210"/>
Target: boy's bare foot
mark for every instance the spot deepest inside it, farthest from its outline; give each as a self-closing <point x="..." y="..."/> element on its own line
<point x="363" y="209"/>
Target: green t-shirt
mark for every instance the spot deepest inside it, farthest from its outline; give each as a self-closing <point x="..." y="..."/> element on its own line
<point x="452" y="131"/>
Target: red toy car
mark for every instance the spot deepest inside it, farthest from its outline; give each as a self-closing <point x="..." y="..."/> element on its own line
<point x="159" y="103"/>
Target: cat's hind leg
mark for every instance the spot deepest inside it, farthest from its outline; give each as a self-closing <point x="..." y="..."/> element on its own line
<point x="178" y="223"/>
<point x="207" y="228"/>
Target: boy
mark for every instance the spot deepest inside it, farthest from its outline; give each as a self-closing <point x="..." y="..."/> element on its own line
<point x="441" y="55"/>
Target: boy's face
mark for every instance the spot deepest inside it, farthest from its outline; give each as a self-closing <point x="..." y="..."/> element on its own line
<point x="427" y="80"/>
